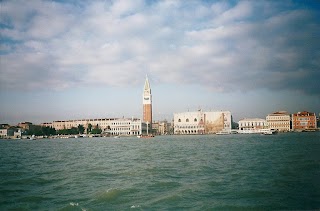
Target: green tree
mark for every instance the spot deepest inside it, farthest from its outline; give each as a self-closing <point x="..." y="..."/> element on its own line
<point x="73" y="131"/>
<point x="62" y="132"/>
<point x="53" y="131"/>
<point x="80" y="129"/>
<point x="35" y="130"/>
<point x="96" y="130"/>
<point x="89" y="128"/>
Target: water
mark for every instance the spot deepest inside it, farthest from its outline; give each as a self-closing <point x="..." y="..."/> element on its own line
<point x="232" y="172"/>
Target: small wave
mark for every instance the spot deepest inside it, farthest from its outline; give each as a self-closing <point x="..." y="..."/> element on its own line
<point x="74" y="204"/>
<point x="113" y="194"/>
<point x="134" y="206"/>
<point x="109" y="194"/>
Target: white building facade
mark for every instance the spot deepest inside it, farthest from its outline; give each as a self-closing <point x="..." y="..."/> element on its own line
<point x="112" y="126"/>
<point x="200" y="122"/>
<point x="4" y="133"/>
<point x="125" y="127"/>
<point x="279" y="121"/>
<point x="254" y="125"/>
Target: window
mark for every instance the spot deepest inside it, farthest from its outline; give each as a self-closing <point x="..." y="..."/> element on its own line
<point x="195" y="120"/>
<point x="187" y="120"/>
<point x="179" y="120"/>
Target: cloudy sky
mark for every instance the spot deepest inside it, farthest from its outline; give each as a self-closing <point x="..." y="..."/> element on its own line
<point x="75" y="59"/>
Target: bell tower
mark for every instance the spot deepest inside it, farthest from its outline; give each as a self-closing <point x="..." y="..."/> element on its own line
<point x="147" y="102"/>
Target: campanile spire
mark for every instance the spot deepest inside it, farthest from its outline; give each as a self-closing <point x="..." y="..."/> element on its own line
<point x="147" y="85"/>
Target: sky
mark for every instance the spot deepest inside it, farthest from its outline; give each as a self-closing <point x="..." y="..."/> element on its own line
<point x="62" y="60"/>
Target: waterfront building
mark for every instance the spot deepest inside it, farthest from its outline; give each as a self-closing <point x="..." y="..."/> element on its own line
<point x="147" y="104"/>
<point x="4" y="126"/>
<point x="68" y="124"/>
<point x="10" y="133"/>
<point x="279" y="121"/>
<point x="252" y="125"/>
<point x="125" y="127"/>
<point x="25" y="125"/>
<point x="161" y="127"/>
<point x="5" y="133"/>
<point x="112" y="126"/>
<point x="46" y="124"/>
<point x="304" y="121"/>
<point x="200" y="122"/>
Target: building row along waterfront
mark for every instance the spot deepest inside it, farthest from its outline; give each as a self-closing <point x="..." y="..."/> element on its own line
<point x="200" y="122"/>
<point x="280" y="121"/>
<point x="112" y="126"/>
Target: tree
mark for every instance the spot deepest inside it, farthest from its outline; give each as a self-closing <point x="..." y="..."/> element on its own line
<point x="35" y="130"/>
<point x="73" y="131"/>
<point x="89" y="128"/>
<point x="62" y="132"/>
<point x="53" y="131"/>
<point x="96" y="130"/>
<point x="40" y="130"/>
<point x="80" y="129"/>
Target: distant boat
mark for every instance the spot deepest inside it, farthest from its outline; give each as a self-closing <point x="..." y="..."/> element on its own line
<point x="223" y="133"/>
<point x="33" y="137"/>
<point x="117" y="137"/>
<point x="269" y="132"/>
<point x="145" y="136"/>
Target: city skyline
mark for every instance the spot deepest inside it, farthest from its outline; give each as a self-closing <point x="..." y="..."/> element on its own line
<point x="63" y="60"/>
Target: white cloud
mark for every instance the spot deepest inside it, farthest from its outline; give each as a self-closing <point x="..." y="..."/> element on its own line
<point x="124" y="7"/>
<point x="239" y="12"/>
<point x="218" y="45"/>
<point x="219" y="7"/>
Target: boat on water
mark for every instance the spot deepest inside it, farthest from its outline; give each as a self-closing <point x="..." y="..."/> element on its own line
<point x="145" y="136"/>
<point x="269" y="132"/>
<point x="33" y="137"/>
<point x="223" y="133"/>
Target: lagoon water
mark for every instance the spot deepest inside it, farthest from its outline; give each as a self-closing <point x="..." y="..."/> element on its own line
<point x="231" y="172"/>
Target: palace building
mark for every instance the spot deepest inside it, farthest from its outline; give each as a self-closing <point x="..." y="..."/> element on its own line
<point x="200" y="122"/>
<point x="304" y="120"/>
<point x="252" y="125"/>
<point x="147" y="103"/>
<point x="279" y="121"/>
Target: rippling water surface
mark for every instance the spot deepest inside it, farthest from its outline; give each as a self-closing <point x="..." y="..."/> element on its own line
<point x="164" y="173"/>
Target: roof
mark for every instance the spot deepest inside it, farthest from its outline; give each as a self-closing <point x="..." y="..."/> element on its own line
<point x="279" y="113"/>
<point x="252" y="119"/>
<point x="304" y="113"/>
